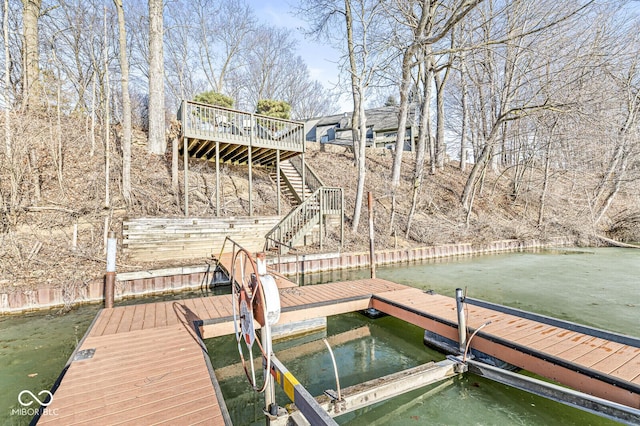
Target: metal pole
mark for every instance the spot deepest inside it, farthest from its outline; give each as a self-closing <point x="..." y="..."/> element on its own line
<point x="372" y="254"/>
<point x="462" y="321"/>
<point x="270" y="404"/>
<point x="335" y="369"/>
<point x="110" y="279"/>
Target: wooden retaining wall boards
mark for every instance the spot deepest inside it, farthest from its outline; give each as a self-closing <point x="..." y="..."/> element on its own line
<point x="135" y="284"/>
<point x="151" y="239"/>
<point x="311" y="263"/>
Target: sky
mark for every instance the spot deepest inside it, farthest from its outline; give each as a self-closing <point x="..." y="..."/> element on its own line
<point x="319" y="57"/>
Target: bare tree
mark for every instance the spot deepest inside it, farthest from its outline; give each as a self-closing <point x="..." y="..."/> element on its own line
<point x="222" y="34"/>
<point x="425" y="77"/>
<point x="157" y="139"/>
<point x="31" y="55"/>
<point x="126" y="104"/>
<point x="7" y="80"/>
<point x="359" y="119"/>
<point x="429" y="22"/>
<point x="107" y="121"/>
<point x="513" y="84"/>
<point x="365" y="51"/>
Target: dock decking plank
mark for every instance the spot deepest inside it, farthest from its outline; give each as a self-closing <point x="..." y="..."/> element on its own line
<point x="102" y="321"/>
<point x="148" y="367"/>
<point x="630" y="370"/>
<point x="571" y="344"/>
<point x="617" y="360"/>
<point x="114" y="321"/>
<point x="127" y="318"/>
<point x="161" y="315"/>
<point x="138" y="317"/>
<point x="598" y="354"/>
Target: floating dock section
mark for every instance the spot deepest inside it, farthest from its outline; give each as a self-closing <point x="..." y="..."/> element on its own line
<point x="146" y="364"/>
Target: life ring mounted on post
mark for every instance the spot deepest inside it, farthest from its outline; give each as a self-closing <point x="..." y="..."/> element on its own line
<point x="256" y="303"/>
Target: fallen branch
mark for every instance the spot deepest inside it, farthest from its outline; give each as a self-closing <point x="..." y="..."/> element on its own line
<point x="617" y="243"/>
<point x="53" y="208"/>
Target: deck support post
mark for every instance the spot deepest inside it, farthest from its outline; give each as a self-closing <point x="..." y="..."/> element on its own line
<point x="304" y="172"/>
<point x="278" y="180"/>
<point x="110" y="278"/>
<point x="185" y="158"/>
<point x="320" y="216"/>
<point x="462" y="321"/>
<point x="218" y="178"/>
<point x="249" y="160"/>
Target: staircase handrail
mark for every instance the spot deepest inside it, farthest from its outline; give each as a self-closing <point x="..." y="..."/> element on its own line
<point x="324" y="199"/>
<point x="311" y="178"/>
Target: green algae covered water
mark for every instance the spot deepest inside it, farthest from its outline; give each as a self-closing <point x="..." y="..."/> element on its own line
<point x="596" y="287"/>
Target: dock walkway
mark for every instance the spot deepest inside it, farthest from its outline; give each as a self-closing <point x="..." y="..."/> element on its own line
<point x="150" y="367"/>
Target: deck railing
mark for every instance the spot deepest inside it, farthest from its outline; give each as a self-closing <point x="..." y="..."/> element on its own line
<point x="304" y="217"/>
<point x="203" y="121"/>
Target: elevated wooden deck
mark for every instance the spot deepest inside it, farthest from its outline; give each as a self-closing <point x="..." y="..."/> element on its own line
<point x="150" y="366"/>
<point x="238" y="137"/>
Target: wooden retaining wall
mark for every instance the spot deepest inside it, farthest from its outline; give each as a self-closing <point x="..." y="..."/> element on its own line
<point x="152" y="239"/>
<point x="147" y="282"/>
<point x="311" y="263"/>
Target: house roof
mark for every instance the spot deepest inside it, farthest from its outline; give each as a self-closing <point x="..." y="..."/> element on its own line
<point x="383" y="118"/>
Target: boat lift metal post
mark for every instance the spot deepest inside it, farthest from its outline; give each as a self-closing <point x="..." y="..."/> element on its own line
<point x="462" y="321"/>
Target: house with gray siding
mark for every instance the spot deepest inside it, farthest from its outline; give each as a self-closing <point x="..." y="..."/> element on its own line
<point x="382" y="128"/>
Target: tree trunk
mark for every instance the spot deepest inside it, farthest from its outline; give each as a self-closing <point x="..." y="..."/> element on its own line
<point x="361" y="169"/>
<point x="107" y="120"/>
<point x="441" y="147"/>
<point x="31" y="55"/>
<point x="7" y="83"/>
<point x="402" y="125"/>
<point x="614" y="191"/>
<point x="464" y="119"/>
<point x="358" y="125"/>
<point x="35" y="171"/>
<point x="126" y="105"/>
<point x="157" y="140"/>
<point x="424" y="134"/>
<point x="480" y="164"/>
<point x="545" y="184"/>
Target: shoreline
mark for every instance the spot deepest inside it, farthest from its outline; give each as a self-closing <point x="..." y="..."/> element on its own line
<point x="188" y="278"/>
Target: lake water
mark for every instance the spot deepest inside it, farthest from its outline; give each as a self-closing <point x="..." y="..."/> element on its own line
<point x="596" y="287"/>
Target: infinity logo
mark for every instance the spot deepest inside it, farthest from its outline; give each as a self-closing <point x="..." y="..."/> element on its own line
<point x="26" y="404"/>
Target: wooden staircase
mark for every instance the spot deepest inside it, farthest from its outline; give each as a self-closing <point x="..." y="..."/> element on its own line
<point x="313" y="202"/>
<point x="291" y="185"/>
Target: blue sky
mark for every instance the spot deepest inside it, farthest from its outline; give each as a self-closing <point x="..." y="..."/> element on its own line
<point x="319" y="57"/>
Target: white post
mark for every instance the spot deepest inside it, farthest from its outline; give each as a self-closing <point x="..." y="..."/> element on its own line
<point x="462" y="321"/>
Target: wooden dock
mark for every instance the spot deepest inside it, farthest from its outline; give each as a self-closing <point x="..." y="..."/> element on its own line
<point x="149" y="365"/>
<point x="590" y="364"/>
